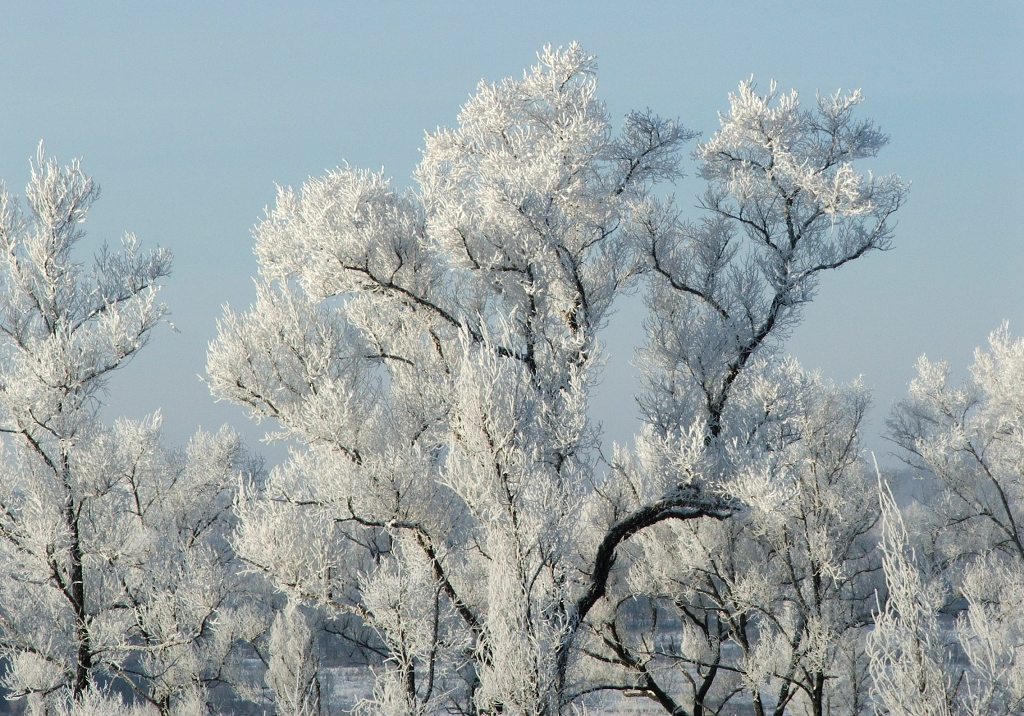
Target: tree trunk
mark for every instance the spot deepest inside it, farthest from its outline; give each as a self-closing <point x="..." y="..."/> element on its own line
<point x="83" y="661"/>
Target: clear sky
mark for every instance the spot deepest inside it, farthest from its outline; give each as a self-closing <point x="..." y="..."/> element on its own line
<point x="188" y="113"/>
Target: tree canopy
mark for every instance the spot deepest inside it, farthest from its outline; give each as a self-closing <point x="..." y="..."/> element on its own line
<point x="448" y="522"/>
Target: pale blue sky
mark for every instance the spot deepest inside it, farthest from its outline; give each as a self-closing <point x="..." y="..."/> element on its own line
<point x="187" y="113"/>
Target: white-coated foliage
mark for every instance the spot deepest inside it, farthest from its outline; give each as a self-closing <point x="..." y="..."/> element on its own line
<point x="991" y="633"/>
<point x="911" y="659"/>
<point x="113" y="559"/>
<point x="969" y="440"/>
<point x="780" y="596"/>
<point x="433" y="354"/>
<point x="292" y="672"/>
<point x="784" y="204"/>
<point x="94" y="702"/>
<point x="769" y="606"/>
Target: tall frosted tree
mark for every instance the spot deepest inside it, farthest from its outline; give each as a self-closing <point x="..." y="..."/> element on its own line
<point x="112" y="551"/>
<point x="773" y="602"/>
<point x="433" y="353"/>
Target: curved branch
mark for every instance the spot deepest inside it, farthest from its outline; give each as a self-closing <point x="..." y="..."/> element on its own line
<point x="686" y="503"/>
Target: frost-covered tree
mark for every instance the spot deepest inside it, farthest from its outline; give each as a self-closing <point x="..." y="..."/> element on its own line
<point x="784" y="205"/>
<point x="292" y="672"/>
<point x="763" y="613"/>
<point x="964" y="555"/>
<point x="911" y="652"/>
<point x="769" y="603"/>
<point x="433" y="353"/>
<point x="113" y="558"/>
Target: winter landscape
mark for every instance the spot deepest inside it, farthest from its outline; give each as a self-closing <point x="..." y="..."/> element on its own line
<point x="605" y="395"/>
